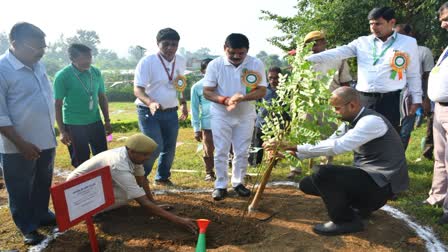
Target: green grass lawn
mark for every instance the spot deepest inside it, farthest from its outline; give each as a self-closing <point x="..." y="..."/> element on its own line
<point x="420" y="169"/>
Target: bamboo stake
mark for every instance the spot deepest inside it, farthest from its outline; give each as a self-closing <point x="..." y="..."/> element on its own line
<point x="254" y="205"/>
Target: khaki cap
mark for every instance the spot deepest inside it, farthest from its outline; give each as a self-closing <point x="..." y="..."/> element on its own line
<point x="141" y="143"/>
<point x="313" y="36"/>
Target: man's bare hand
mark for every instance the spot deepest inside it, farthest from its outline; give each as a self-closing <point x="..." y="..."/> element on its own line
<point x="189" y="224"/>
<point x="29" y="150"/>
<point x="426" y="106"/>
<point x="236" y="98"/>
<point x="108" y="128"/>
<point x="414" y="108"/>
<point x="198" y="136"/>
<point x="233" y="101"/>
<point x="65" y="138"/>
<point x="184" y="112"/>
<point x="153" y="107"/>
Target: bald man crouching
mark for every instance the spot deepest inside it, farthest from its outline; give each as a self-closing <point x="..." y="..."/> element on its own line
<point x="128" y="180"/>
<point x="379" y="169"/>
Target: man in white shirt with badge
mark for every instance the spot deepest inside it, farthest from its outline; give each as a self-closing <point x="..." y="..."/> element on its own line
<point x="233" y="82"/>
<point x="158" y="82"/>
<point x="438" y="93"/>
<point x="387" y="61"/>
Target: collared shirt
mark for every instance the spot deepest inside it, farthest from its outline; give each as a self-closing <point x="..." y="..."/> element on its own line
<point x="123" y="171"/>
<point x="200" y="108"/>
<point x="342" y="74"/>
<point x="377" y="78"/>
<point x="344" y="139"/>
<point x="438" y="80"/>
<point x="75" y="88"/>
<point x="26" y="103"/>
<point x="227" y="80"/>
<point x="151" y="75"/>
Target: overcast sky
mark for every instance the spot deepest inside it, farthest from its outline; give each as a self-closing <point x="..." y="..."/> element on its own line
<point x="120" y="24"/>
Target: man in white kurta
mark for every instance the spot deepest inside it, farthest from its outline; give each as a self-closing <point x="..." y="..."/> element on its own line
<point x="233" y="82"/>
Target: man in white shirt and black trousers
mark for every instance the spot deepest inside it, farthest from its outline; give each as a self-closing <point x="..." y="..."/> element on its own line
<point x="379" y="169"/>
<point x="386" y="62"/>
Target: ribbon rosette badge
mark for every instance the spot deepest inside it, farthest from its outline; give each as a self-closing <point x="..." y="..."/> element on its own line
<point x="180" y="83"/>
<point x="399" y="63"/>
<point x="250" y="79"/>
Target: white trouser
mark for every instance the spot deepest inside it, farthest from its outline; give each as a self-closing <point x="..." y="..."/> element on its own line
<point x="236" y="131"/>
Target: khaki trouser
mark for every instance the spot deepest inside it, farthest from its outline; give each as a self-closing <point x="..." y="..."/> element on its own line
<point x="440" y="180"/>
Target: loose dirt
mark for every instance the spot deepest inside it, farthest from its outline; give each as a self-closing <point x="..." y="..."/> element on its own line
<point x="290" y="229"/>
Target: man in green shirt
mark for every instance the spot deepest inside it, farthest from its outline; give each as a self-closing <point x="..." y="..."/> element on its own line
<point x="78" y="89"/>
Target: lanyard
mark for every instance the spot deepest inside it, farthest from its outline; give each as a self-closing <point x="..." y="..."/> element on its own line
<point x="88" y="90"/>
<point x="444" y="56"/>
<point x="170" y="76"/>
<point x="376" y="57"/>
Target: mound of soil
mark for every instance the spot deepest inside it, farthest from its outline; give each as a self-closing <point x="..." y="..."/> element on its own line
<point x="290" y="229"/>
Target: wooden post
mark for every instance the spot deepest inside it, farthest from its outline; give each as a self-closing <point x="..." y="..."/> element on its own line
<point x="254" y="205"/>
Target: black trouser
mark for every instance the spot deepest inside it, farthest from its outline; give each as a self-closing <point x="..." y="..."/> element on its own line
<point x="343" y="188"/>
<point x="83" y="138"/>
<point x="255" y="158"/>
<point x="387" y="104"/>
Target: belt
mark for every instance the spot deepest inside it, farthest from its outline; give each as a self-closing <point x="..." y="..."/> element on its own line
<point x="161" y="109"/>
<point x="444" y="104"/>
<point x="378" y="94"/>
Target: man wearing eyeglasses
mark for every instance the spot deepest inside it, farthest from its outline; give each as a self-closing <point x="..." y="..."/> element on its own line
<point x="157" y="101"/>
<point x="27" y="138"/>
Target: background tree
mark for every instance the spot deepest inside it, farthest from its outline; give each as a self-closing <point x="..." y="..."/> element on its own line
<point x="56" y="56"/>
<point x="88" y="38"/>
<point x="271" y="60"/>
<point x="136" y="53"/>
<point x="345" y="20"/>
<point x="4" y="42"/>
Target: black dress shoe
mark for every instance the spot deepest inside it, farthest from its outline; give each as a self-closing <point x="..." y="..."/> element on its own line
<point x="331" y="228"/>
<point x="219" y="194"/>
<point x="443" y="220"/>
<point x="242" y="191"/>
<point x="32" y="238"/>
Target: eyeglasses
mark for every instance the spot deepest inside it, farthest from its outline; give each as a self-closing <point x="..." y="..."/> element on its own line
<point x="35" y="50"/>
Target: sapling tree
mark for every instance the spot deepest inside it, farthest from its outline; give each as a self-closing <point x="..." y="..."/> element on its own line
<point x="300" y="114"/>
<point x="303" y="96"/>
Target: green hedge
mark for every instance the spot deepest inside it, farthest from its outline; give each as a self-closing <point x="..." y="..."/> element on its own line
<point x="121" y="93"/>
<point x="125" y="92"/>
<point x="133" y="126"/>
<point x="124" y="127"/>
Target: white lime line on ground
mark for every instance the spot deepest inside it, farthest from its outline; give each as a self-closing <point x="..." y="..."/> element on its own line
<point x="432" y="243"/>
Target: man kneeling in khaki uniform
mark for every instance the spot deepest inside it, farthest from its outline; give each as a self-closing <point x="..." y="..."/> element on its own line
<point x="128" y="180"/>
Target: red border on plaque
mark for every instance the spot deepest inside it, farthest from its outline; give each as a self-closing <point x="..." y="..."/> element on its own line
<point x="60" y="202"/>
